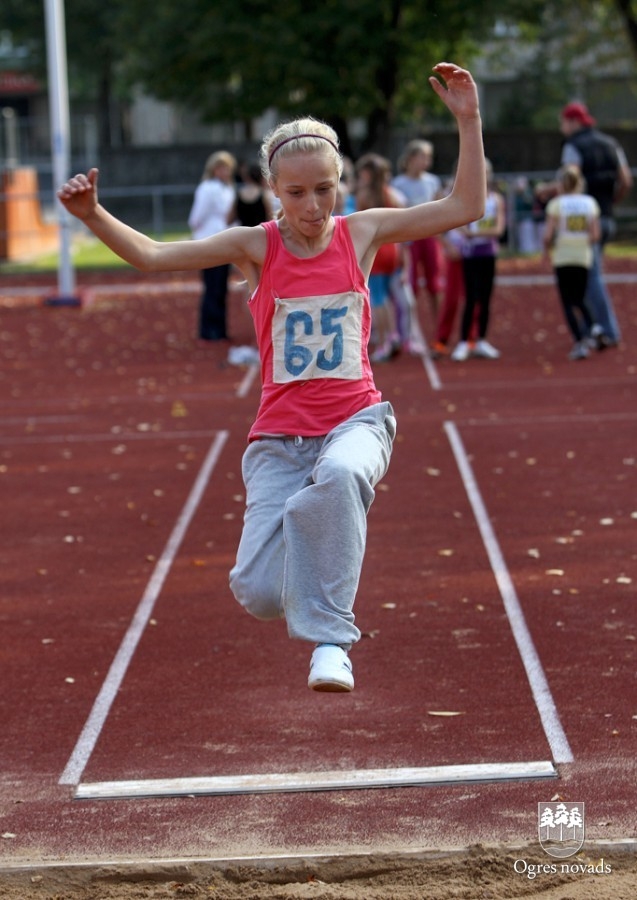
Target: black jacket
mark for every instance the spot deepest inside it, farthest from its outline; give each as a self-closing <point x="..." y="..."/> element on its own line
<point x="600" y="165"/>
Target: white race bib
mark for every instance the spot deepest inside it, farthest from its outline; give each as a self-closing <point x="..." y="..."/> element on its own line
<point x="318" y="337"/>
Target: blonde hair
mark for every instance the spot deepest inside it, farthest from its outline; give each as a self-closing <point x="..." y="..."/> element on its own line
<point x="571" y="180"/>
<point x="221" y="157"/>
<point x="306" y="135"/>
<point x="414" y="148"/>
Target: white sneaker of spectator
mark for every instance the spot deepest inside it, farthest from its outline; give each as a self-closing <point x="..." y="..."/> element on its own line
<point x="461" y="352"/>
<point x="485" y="350"/>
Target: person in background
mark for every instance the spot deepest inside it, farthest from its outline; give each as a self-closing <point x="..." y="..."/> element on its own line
<point x="572" y="230"/>
<point x="252" y="206"/>
<point x="373" y="191"/>
<point x="418" y="185"/>
<point x="213" y="200"/>
<point x="452" y="244"/>
<point x="608" y="178"/>
<point x="252" y="203"/>
<point x="480" y="252"/>
<point x="346" y="200"/>
<point x="525" y="226"/>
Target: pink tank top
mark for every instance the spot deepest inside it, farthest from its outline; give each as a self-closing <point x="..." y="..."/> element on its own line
<point x="312" y="319"/>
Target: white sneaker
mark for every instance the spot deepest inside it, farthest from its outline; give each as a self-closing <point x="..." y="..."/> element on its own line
<point x="485" y="350"/>
<point x="596" y="337"/>
<point x="330" y="669"/>
<point x="579" y="351"/>
<point x="387" y="350"/>
<point x="461" y="352"/>
<point x="243" y="356"/>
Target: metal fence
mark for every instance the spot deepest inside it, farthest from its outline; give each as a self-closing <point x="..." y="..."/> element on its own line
<point x="26" y="140"/>
<point x="162" y="209"/>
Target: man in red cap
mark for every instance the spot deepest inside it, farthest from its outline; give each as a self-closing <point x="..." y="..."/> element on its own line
<point x="578" y="113"/>
<point x="603" y="164"/>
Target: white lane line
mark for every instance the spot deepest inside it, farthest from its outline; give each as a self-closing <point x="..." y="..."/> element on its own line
<point x="32" y="420"/>
<point x="432" y="372"/>
<point x="293" y="782"/>
<point x="121" y="438"/>
<point x="535" y="673"/>
<point x="586" y="420"/>
<point x="101" y="708"/>
<point x="246" y="383"/>
<point x="419" y="339"/>
<point x="539" y="279"/>
<point x="126" y="287"/>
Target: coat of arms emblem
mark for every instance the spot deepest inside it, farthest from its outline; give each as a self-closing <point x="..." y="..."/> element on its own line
<point x="561" y="828"/>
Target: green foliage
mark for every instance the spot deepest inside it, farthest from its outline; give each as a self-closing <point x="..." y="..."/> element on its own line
<point x="554" y="58"/>
<point x="225" y="58"/>
<point x="87" y="253"/>
<point x="341" y="59"/>
<point x="338" y="59"/>
<point x="90" y="34"/>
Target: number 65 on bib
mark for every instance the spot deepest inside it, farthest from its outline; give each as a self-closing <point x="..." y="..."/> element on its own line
<point x="318" y="337"/>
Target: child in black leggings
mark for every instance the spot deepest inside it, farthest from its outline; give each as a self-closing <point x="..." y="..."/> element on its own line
<point x="572" y="228"/>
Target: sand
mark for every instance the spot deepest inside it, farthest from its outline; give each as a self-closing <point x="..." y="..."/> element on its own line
<point x="478" y="873"/>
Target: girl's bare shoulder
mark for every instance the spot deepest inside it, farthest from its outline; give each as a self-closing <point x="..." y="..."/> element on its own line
<point x="246" y="243"/>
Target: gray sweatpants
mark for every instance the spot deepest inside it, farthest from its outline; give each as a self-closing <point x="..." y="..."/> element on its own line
<point x="303" y="541"/>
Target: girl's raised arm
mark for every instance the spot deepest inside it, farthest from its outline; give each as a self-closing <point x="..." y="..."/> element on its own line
<point x="79" y="196"/>
<point x="465" y="203"/>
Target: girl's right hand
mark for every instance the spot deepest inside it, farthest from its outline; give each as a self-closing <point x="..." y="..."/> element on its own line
<point x="79" y="194"/>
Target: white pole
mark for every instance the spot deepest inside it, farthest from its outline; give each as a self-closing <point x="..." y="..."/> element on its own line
<point x="60" y="134"/>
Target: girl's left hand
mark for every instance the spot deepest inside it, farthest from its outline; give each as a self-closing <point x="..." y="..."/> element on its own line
<point x="459" y="92"/>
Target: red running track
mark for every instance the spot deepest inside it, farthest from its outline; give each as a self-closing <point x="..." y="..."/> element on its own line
<point x="497" y="668"/>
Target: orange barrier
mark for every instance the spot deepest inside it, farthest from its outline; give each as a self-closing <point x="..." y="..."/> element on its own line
<point x="22" y="231"/>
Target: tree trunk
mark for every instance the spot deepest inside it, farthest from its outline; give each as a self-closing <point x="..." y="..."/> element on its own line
<point x="630" y="21"/>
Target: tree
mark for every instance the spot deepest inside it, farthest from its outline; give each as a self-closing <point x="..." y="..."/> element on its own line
<point x="553" y="58"/>
<point x="561" y="818"/>
<point x="340" y="59"/>
<point x="575" y="820"/>
<point x="547" y="820"/>
<point x="628" y="15"/>
<point x="92" y="49"/>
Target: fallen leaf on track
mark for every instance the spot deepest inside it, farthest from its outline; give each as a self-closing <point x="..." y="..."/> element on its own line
<point x="178" y="410"/>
